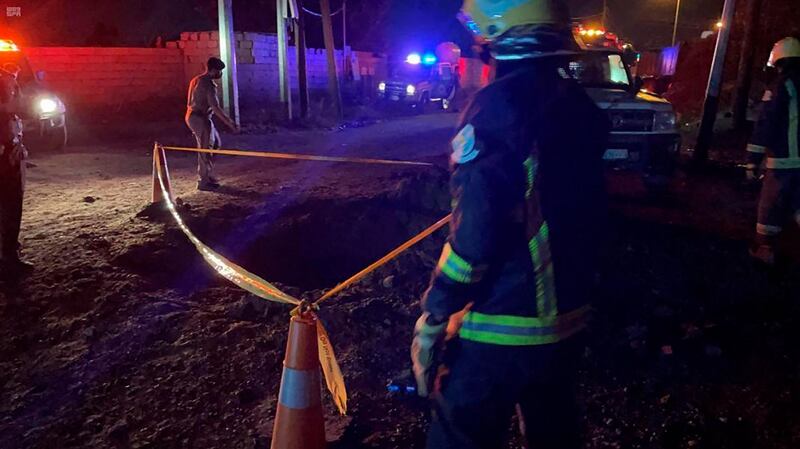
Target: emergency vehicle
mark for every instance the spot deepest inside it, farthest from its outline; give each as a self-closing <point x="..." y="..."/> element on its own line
<point x="423" y="80"/>
<point x="644" y="134"/>
<point x="45" y="114"/>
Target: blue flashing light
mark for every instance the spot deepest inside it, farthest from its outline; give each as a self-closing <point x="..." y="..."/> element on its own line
<point x="429" y="59"/>
<point x="414" y="59"/>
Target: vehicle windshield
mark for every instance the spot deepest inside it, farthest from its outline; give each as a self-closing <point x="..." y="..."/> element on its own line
<point x="599" y="69"/>
<point x="411" y="73"/>
<point x="17" y="57"/>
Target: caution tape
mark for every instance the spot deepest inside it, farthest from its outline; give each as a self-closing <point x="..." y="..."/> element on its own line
<point x="259" y="287"/>
<point x="384" y="260"/>
<point x="299" y="157"/>
<point x="334" y="379"/>
<point x="227" y="269"/>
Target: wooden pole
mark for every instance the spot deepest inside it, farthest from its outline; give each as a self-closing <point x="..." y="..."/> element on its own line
<point x="283" y="65"/>
<point x="744" y="78"/>
<point x="711" y="105"/>
<point x="675" y="26"/>
<point x="330" y="49"/>
<point x="227" y="52"/>
<point x="302" y="70"/>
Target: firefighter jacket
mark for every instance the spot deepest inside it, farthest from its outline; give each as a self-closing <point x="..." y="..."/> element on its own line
<point x="777" y="131"/>
<point x="528" y="211"/>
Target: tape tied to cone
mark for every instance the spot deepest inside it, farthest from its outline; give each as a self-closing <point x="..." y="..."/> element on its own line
<point x="262" y="289"/>
<point x="294" y="393"/>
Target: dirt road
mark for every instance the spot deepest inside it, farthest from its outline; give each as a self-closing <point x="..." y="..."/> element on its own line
<point x="122" y="338"/>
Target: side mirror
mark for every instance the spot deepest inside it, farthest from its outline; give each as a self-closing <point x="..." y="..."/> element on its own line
<point x="41" y="75"/>
<point x="638" y="83"/>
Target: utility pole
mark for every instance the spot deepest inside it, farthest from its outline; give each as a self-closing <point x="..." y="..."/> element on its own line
<point x="283" y="59"/>
<point x="300" y="46"/>
<point x="344" y="40"/>
<point x="330" y="49"/>
<point x="675" y="27"/>
<point x="744" y="78"/>
<point x="711" y="105"/>
<point x="605" y="15"/>
<point x="227" y="52"/>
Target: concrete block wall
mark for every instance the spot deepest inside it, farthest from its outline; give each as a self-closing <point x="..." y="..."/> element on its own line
<point x="98" y="76"/>
<point x="257" y="63"/>
<point x="109" y="76"/>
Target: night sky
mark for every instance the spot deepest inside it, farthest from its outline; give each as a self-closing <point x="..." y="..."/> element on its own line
<point x="373" y="24"/>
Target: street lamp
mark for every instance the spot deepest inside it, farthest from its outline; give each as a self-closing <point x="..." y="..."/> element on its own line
<point x="675" y="27"/>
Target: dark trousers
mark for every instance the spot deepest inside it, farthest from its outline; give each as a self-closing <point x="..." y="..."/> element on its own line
<point x="12" y="186"/>
<point x="484" y="384"/>
<point x="780" y="200"/>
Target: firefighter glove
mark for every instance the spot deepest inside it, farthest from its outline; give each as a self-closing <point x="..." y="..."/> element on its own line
<point x="428" y="340"/>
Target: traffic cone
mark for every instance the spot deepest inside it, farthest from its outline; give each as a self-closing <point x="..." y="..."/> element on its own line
<point x="299" y="422"/>
<point x="160" y="159"/>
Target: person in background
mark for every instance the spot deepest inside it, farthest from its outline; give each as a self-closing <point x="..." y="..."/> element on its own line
<point x="202" y="106"/>
<point x="776" y="137"/>
<point x="12" y="173"/>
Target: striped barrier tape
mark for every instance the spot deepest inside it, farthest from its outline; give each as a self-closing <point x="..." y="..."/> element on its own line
<point x="299" y="157"/>
<point x="261" y="288"/>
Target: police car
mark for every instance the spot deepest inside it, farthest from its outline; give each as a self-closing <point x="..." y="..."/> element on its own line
<point x="45" y="114"/>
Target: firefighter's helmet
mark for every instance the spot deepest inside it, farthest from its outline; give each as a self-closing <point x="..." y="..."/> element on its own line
<point x="785" y="48"/>
<point x="517" y="29"/>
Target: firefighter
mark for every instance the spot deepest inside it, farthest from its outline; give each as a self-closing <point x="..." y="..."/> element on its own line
<point x="776" y="137"/>
<point x="12" y="173"/>
<point x="202" y="105"/>
<point x="517" y="270"/>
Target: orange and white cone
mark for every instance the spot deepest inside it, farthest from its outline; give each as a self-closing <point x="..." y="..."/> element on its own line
<point x="160" y="162"/>
<point x="299" y="421"/>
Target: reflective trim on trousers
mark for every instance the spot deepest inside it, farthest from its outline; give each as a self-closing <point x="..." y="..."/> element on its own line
<point x="768" y="229"/>
<point x="758" y="149"/>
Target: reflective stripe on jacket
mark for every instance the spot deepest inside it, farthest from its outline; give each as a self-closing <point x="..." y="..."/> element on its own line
<point x="777" y="133"/>
<point x="529" y="209"/>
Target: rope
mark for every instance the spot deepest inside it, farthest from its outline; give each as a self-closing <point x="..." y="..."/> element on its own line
<point x="300" y="157"/>
<point x="384" y="260"/>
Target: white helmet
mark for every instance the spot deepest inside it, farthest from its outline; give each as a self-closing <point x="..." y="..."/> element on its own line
<point x="785" y="48"/>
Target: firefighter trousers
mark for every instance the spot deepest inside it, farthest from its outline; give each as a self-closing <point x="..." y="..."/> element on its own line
<point x="12" y="187"/>
<point x="780" y="200"/>
<point x="207" y="137"/>
<point x="482" y="385"/>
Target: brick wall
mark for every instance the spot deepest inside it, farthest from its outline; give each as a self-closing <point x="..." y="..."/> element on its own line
<point x="109" y="76"/>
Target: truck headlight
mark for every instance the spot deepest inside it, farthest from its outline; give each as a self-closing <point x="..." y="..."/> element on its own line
<point x="411" y="89"/>
<point x="665" y="121"/>
<point x="381" y="87"/>
<point x="48" y="105"/>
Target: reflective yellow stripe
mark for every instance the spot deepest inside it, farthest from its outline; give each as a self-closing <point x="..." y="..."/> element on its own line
<point x="456" y="268"/>
<point x="758" y="149"/>
<point x="511" y="330"/>
<point x="530" y="170"/>
<point x="546" y="298"/>
<point x="794" y="119"/>
<point x="780" y="163"/>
